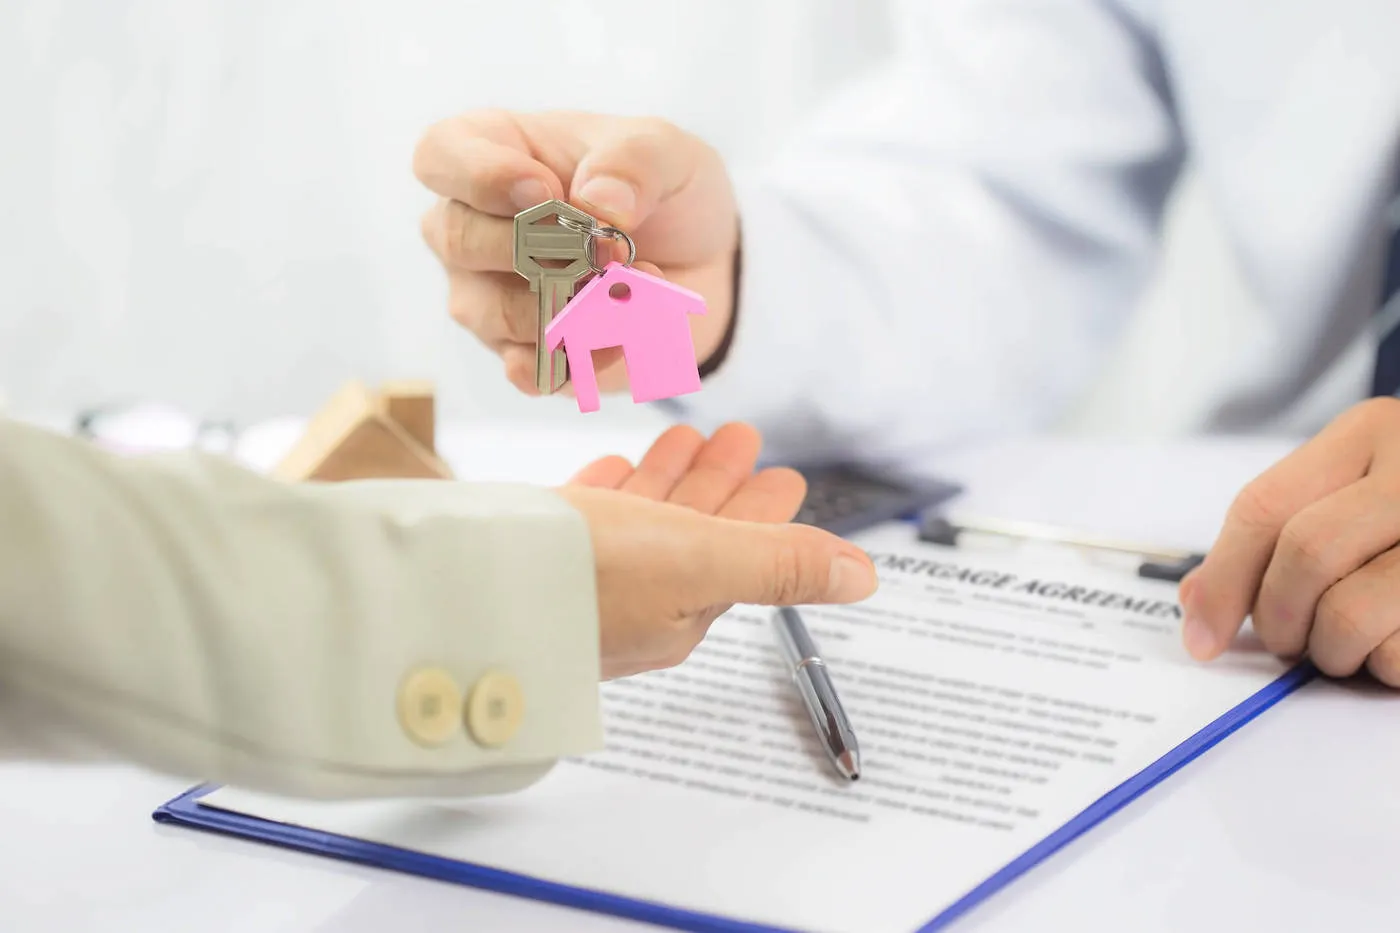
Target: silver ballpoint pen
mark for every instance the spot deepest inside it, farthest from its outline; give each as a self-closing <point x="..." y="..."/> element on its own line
<point x="818" y="695"/>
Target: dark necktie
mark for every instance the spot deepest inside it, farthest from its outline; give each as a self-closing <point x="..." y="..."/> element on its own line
<point x="1387" y="377"/>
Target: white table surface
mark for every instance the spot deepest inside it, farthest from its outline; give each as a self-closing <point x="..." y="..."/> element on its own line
<point x="1290" y="826"/>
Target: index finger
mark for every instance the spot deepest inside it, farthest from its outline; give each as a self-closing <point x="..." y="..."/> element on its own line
<point x="773" y="495"/>
<point x="1224" y="588"/>
<point x="485" y="163"/>
<point x="721" y="467"/>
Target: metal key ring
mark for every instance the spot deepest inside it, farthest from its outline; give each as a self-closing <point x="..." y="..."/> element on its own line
<point x="590" y="252"/>
<point x="582" y="226"/>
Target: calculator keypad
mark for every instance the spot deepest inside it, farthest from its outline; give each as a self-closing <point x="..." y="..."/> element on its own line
<point x="835" y="497"/>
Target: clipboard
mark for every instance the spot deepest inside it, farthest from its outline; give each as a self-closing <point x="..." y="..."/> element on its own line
<point x="187" y="811"/>
<point x="889" y="499"/>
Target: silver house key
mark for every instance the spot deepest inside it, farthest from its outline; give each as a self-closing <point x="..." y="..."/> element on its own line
<point x="552" y="243"/>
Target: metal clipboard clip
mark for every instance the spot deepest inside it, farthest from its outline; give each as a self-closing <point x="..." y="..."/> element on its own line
<point x="1153" y="563"/>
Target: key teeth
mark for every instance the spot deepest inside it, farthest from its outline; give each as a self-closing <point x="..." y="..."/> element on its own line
<point x="560" y="371"/>
<point x="558" y="374"/>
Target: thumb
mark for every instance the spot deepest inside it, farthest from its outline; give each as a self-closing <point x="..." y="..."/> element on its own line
<point x="783" y="565"/>
<point x="633" y="170"/>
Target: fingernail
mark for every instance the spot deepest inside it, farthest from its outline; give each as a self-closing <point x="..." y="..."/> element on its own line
<point x="1198" y="637"/>
<point x="850" y="580"/>
<point x="528" y="192"/>
<point x="609" y="196"/>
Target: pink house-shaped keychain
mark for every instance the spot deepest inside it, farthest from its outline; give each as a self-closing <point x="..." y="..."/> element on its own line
<point x="648" y="317"/>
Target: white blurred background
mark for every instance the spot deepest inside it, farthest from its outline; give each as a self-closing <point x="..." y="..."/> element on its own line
<point x="210" y="204"/>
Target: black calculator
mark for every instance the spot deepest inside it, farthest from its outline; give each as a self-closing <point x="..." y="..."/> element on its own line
<point x="844" y="499"/>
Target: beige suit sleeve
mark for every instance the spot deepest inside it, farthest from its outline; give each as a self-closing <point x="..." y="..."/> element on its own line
<point x="386" y="638"/>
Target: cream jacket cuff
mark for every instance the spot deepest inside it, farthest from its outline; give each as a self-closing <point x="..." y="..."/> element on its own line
<point x="386" y="638"/>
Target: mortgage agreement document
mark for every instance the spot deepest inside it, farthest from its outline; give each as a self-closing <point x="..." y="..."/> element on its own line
<point x="995" y="697"/>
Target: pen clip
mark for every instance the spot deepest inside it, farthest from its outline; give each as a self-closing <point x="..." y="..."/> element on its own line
<point x="793" y="638"/>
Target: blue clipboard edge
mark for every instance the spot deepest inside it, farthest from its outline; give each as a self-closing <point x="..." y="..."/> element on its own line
<point x="1128" y="791"/>
<point x="186" y="811"/>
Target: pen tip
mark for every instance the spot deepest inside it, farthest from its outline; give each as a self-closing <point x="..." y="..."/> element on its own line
<point x="850" y="764"/>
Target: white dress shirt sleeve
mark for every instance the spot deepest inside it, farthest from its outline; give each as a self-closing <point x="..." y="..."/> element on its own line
<point x="953" y="245"/>
<point x="384" y="638"/>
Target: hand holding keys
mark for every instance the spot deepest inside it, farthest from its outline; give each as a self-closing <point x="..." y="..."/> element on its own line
<point x="665" y="187"/>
